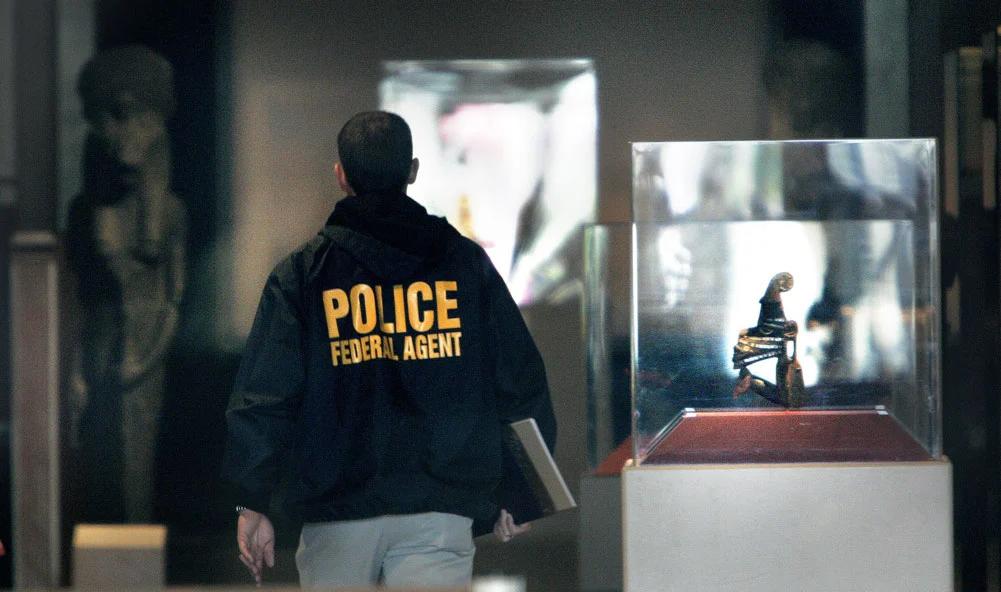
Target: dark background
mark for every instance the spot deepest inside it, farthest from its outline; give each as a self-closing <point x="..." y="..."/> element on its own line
<point x="195" y="37"/>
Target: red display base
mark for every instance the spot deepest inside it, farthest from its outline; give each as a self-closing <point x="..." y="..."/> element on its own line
<point x="708" y="437"/>
<point x="613" y="463"/>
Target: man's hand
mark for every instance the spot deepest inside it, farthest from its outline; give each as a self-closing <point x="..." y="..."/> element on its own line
<point x="255" y="537"/>
<point x="505" y="529"/>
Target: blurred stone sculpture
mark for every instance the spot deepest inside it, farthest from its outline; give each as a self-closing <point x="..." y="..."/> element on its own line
<point x="126" y="246"/>
<point x="768" y="339"/>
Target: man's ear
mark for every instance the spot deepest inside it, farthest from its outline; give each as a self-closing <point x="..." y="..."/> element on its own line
<point x="414" y="165"/>
<point x="342" y="179"/>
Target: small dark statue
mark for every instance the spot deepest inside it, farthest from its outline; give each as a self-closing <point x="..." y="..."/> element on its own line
<point x="770" y="339"/>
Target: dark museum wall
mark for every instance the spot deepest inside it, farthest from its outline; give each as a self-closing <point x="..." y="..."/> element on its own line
<point x="264" y="87"/>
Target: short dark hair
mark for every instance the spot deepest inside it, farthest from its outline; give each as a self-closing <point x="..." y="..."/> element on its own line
<point x="376" y="150"/>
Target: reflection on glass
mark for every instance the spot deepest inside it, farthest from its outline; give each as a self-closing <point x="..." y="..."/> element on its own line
<point x="507" y="151"/>
<point x="852" y="221"/>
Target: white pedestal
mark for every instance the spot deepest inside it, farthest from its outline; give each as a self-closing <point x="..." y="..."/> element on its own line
<point x="600" y="534"/>
<point x="830" y="526"/>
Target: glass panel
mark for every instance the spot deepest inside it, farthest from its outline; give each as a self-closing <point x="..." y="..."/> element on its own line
<point x="606" y="323"/>
<point x="853" y="329"/>
<point x="508" y="155"/>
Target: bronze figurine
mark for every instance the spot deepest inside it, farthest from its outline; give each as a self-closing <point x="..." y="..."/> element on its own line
<point x="768" y="339"/>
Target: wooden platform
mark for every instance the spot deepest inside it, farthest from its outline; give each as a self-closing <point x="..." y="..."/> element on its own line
<point x="786" y="436"/>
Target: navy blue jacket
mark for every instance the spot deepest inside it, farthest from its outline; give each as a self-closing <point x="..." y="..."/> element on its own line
<point x="386" y="355"/>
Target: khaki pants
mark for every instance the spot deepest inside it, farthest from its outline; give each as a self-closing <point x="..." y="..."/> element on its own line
<point x="432" y="549"/>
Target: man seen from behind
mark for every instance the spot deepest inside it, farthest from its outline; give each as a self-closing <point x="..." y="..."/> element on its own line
<point x="384" y="360"/>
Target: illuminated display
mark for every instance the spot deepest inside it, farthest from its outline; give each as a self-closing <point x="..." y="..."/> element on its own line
<point x="507" y="151"/>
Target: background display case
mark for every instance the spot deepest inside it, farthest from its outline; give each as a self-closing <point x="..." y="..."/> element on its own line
<point x="607" y="250"/>
<point x="855" y="224"/>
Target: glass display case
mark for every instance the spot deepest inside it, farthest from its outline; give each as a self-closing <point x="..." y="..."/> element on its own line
<point x="508" y="154"/>
<point x="784" y="302"/>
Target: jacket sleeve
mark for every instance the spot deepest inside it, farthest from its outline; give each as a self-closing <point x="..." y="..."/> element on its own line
<point x="519" y="372"/>
<point x="265" y="399"/>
